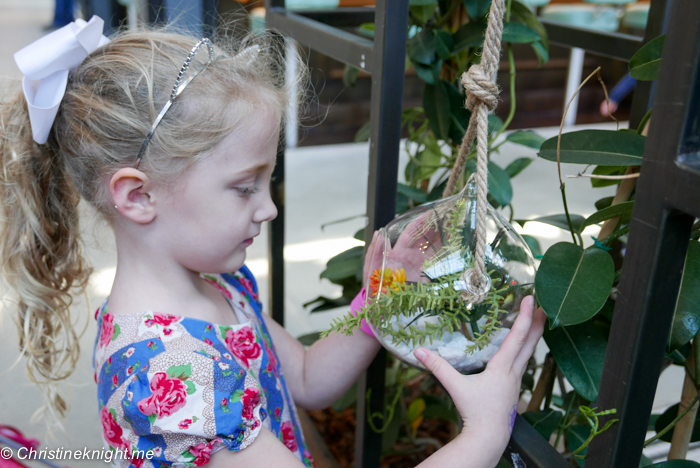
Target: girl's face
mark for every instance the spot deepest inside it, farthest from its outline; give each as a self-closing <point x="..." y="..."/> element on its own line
<point x="215" y="209"/>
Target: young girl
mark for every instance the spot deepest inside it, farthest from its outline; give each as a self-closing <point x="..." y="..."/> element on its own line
<point x="178" y="159"/>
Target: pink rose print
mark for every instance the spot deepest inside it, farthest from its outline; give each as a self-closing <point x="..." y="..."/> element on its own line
<point x="223" y="290"/>
<point x="107" y="330"/>
<point x="185" y="423"/>
<point x="167" y="331"/>
<point x="272" y="358"/>
<point x="288" y="436"/>
<point x="168" y="396"/>
<point x="110" y="429"/>
<point x="242" y="344"/>
<point x="129" y="352"/>
<point x="162" y="319"/>
<point x="278" y="413"/>
<point x="250" y="399"/>
<point x="202" y="452"/>
<point x="248" y="286"/>
<point x="149" y="344"/>
<point x="208" y="341"/>
<point x="115" y="380"/>
<point x="136" y="462"/>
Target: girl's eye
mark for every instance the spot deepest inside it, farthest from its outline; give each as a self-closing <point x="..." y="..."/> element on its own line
<point x="247" y="191"/>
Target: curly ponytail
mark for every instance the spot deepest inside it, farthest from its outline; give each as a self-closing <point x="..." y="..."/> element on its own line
<point x="40" y="250"/>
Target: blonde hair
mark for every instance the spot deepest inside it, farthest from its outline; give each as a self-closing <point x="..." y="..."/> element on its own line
<point x="109" y="106"/>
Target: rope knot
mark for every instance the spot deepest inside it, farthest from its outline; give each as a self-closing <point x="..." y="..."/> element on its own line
<point x="479" y="88"/>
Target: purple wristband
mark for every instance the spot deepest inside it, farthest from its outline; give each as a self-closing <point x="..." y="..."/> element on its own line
<point x="356" y="305"/>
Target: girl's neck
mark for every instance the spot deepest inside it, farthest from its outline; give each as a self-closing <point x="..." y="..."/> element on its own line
<point x="147" y="281"/>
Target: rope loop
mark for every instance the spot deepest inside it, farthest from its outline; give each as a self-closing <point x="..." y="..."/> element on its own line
<point x="479" y="88"/>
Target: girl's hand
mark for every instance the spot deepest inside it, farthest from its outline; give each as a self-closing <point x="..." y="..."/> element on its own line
<point x="487" y="402"/>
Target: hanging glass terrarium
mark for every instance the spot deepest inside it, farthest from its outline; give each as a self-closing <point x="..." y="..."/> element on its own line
<point x="420" y="283"/>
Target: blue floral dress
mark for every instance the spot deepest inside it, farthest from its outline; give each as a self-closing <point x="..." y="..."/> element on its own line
<point x="183" y="388"/>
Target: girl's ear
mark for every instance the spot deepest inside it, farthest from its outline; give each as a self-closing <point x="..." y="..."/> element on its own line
<point x="130" y="190"/>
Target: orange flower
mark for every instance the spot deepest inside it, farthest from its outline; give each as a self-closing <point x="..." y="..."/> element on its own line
<point x="390" y="280"/>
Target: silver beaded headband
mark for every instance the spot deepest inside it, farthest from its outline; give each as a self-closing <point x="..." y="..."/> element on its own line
<point x="177" y="89"/>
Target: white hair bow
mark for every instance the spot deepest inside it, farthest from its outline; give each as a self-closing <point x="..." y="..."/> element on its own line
<point x="45" y="65"/>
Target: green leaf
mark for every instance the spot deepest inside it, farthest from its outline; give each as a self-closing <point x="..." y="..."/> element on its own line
<point x="668" y="416"/>
<point x="469" y="35"/>
<point x="477" y="8"/>
<point x="677" y="464"/>
<point x="523" y="14"/>
<point x="436" y="408"/>
<point x="190" y="387"/>
<point x="428" y="73"/>
<point x="686" y="318"/>
<point x="415" y="409"/>
<point x="606" y="170"/>
<point x="181" y="372"/>
<point x="541" y="52"/>
<point x="363" y="133"/>
<point x="236" y="396"/>
<point x="429" y="158"/>
<point x="152" y="418"/>
<point x="519" y="33"/>
<point x="545" y="422"/>
<point x="443" y="44"/>
<point x="620" y="209"/>
<point x="534" y="245"/>
<point x="343" y="265"/>
<point x="422" y="13"/>
<point x="604" y="202"/>
<point x="576" y="436"/>
<point x="579" y="351"/>
<point x="436" y="103"/>
<point x="309" y="338"/>
<point x="494" y="123"/>
<point x="500" y="187"/>
<point x="559" y="221"/>
<point x="499" y="184"/>
<point x="459" y="115"/>
<point x="412" y="192"/>
<point x="421" y="47"/>
<point x="349" y="398"/>
<point x="645" y="461"/>
<point x="350" y="75"/>
<point x="600" y="147"/>
<point x="326" y="303"/>
<point x="526" y="138"/>
<point x="117" y="331"/>
<point x="646" y="62"/>
<point x="391" y="435"/>
<point x="573" y="284"/>
<point x="517" y="166"/>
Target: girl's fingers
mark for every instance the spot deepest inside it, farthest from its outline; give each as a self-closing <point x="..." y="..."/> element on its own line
<point x="531" y="341"/>
<point x="441" y="369"/>
<point x="515" y="340"/>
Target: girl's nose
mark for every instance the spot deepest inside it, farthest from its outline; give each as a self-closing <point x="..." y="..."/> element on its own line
<point x="267" y="211"/>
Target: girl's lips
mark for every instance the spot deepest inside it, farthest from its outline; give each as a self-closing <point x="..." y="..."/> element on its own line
<point x="247" y="242"/>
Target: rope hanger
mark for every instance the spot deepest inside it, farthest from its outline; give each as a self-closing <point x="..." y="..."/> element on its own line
<point x="482" y="97"/>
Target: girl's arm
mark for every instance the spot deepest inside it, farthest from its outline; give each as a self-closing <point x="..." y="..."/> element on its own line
<point x="321" y="374"/>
